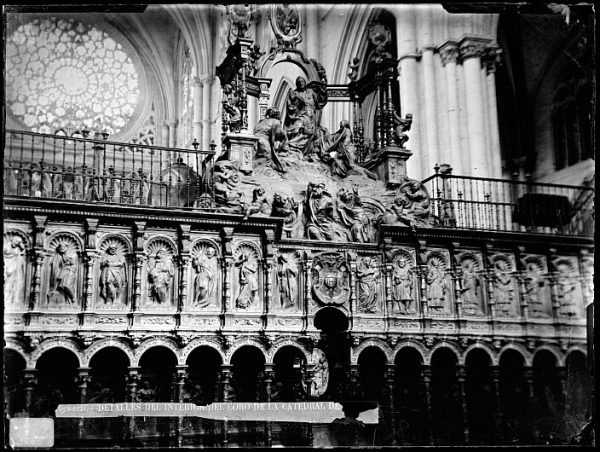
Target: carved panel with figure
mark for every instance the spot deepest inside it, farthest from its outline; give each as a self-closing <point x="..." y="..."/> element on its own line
<point x="504" y="284"/>
<point x="114" y="273"/>
<point x="567" y="287"/>
<point x="472" y="283"/>
<point x="160" y="273"/>
<point x="15" y="248"/>
<point x="206" y="276"/>
<point x="536" y="290"/>
<point x="247" y="277"/>
<point x="369" y="277"/>
<point x="438" y="284"/>
<point x="289" y="281"/>
<point x="64" y="272"/>
<point x="403" y="282"/>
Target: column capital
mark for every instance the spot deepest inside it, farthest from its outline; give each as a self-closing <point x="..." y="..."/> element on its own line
<point x="171" y="122"/>
<point x="491" y="57"/>
<point x="472" y="47"/>
<point x="449" y="52"/>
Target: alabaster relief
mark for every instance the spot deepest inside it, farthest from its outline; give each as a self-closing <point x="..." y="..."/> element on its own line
<point x="246" y="281"/>
<point x="205" y="287"/>
<point x="160" y="259"/>
<point x="566" y="288"/>
<point x="15" y="263"/>
<point x="113" y="278"/>
<point x="471" y="284"/>
<point x="535" y="287"/>
<point x="64" y="285"/>
<point x="403" y="282"/>
<point x="288" y="280"/>
<point x="368" y="274"/>
<point x="331" y="280"/>
<point x="437" y="287"/>
<point x="504" y="285"/>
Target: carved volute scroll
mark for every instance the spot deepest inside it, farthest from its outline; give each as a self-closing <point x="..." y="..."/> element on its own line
<point x="205" y="287"/>
<point x="288" y="277"/>
<point x="437" y="287"/>
<point x="504" y="285"/>
<point x="535" y="287"/>
<point x="114" y="276"/>
<point x="247" y="277"/>
<point x="403" y="282"/>
<point x="331" y="280"/>
<point x="64" y="270"/>
<point x="15" y="250"/>
<point x="161" y="270"/>
<point x="566" y="288"/>
<point x="369" y="285"/>
<point x="472" y="284"/>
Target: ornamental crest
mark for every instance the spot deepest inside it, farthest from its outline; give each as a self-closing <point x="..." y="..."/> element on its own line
<point x="331" y="280"/>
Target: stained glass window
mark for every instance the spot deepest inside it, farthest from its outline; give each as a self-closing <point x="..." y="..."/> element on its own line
<point x="63" y="76"/>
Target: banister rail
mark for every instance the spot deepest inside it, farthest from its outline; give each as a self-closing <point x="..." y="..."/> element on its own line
<point x="98" y="170"/>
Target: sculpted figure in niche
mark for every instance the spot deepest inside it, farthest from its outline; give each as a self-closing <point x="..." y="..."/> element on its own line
<point x="436" y="286"/>
<point x="471" y="292"/>
<point x="272" y="140"/>
<point x="565" y="290"/>
<point x="367" y="273"/>
<point x="113" y="276"/>
<point x="14" y="269"/>
<point x="352" y="215"/>
<point x="63" y="275"/>
<point x="301" y="120"/>
<point x="161" y="277"/>
<point x="319" y="209"/>
<point x="402" y="279"/>
<point x="503" y="287"/>
<point x="534" y="282"/>
<point x="287" y="281"/>
<point x="248" y="280"/>
<point x="205" y="281"/>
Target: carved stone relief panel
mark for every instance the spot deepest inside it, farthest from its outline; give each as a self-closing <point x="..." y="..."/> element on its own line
<point x="505" y="293"/>
<point x="206" y="277"/>
<point x="472" y="283"/>
<point x="536" y="291"/>
<point x="15" y="249"/>
<point x="403" y="282"/>
<point x="438" y="284"/>
<point x="369" y="282"/>
<point x="247" y="277"/>
<point x="587" y="272"/>
<point x="160" y="269"/>
<point x="113" y="273"/>
<point x="64" y="272"/>
<point x="567" y="292"/>
<point x="288" y="277"/>
<point x="331" y="280"/>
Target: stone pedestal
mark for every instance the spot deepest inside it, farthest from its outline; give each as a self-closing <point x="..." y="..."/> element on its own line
<point x="239" y="147"/>
<point x="390" y="165"/>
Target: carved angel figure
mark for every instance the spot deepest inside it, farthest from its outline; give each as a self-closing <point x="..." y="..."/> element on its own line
<point x="113" y="277"/>
<point x="14" y="269"/>
<point x="205" y="281"/>
<point x="259" y="204"/>
<point x="319" y="210"/>
<point x="161" y="277"/>
<point x="63" y="275"/>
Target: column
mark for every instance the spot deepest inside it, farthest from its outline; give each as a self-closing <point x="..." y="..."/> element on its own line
<point x="495" y="374"/>
<point x="562" y="377"/>
<point x="133" y="379"/>
<point x="449" y="56"/>
<point x="471" y="51"/>
<point x="198" y="91"/>
<point x="253" y="113"/>
<point x="528" y="373"/>
<point x="181" y="376"/>
<point x="164" y="133"/>
<point x="355" y="381"/>
<point x="30" y="377"/>
<point x="431" y="153"/>
<point x="206" y="98"/>
<point x="426" y="378"/>
<point x="461" y="377"/>
<point x="496" y="159"/>
<point x="172" y="124"/>
<point x="225" y="393"/>
<point x="215" y="117"/>
<point x="269" y="374"/>
<point x="390" y="378"/>
<point x="83" y="378"/>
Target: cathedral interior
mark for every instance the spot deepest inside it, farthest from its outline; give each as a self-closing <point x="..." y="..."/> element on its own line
<point x="385" y="206"/>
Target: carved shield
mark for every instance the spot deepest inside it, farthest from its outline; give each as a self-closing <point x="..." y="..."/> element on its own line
<point x="331" y="285"/>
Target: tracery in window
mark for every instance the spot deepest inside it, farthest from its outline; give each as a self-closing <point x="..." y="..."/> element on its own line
<point x="65" y="76"/>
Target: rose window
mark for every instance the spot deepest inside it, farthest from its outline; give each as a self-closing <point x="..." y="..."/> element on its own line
<point x="64" y="76"/>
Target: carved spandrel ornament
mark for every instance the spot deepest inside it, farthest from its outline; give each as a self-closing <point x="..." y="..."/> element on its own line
<point x="437" y="293"/>
<point x="331" y="280"/>
<point x="503" y="282"/>
<point x="567" y="293"/>
<point x="161" y="272"/>
<point x="471" y="284"/>
<point x="369" y="286"/>
<point x="403" y="277"/>
<point x="287" y="26"/>
<point x="288" y="280"/>
<point x="64" y="281"/>
<point x="15" y="265"/>
<point x="246" y="264"/>
<point x="535" y="287"/>
<point x="206" y="278"/>
<point x="113" y="278"/>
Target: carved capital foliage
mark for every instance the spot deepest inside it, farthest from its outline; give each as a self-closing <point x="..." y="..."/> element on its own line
<point x="449" y="53"/>
<point x="471" y="49"/>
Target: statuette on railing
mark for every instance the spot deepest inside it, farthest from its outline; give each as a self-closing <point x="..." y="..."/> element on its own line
<point x="353" y="67"/>
<point x="401" y="125"/>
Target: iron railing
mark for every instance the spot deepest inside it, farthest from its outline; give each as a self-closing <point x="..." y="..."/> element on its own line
<point x="506" y="205"/>
<point x="98" y="170"/>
